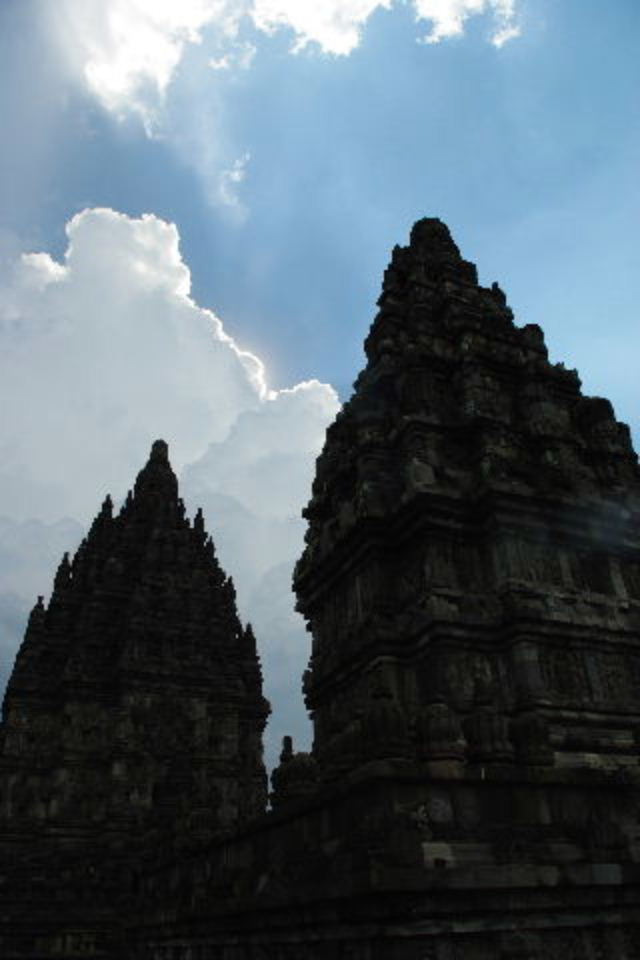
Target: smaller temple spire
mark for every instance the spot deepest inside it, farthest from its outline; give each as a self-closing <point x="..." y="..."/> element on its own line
<point x="144" y="618"/>
<point x="63" y="574"/>
<point x="287" y="749"/>
<point x="27" y="673"/>
<point x="37" y="615"/>
<point x="198" y="525"/>
<point x="249" y="641"/>
<point x="101" y="523"/>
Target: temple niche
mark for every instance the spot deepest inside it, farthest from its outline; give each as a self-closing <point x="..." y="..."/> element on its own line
<point x="471" y="585"/>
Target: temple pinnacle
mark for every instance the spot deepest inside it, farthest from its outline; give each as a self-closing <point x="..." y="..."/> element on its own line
<point x="159" y="451"/>
<point x="157" y="479"/>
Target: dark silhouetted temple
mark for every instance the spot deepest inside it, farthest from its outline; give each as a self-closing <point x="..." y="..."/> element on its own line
<point x="471" y="583"/>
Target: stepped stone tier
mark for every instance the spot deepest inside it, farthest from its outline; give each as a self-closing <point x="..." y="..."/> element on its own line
<point x="471" y="582"/>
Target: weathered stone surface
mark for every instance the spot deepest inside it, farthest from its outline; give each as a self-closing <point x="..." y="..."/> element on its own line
<point x="471" y="581"/>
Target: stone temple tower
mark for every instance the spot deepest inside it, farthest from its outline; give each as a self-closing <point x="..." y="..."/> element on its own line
<point x="135" y="705"/>
<point x="473" y="550"/>
<point x="471" y="581"/>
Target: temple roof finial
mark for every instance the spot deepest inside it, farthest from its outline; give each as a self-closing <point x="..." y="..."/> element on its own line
<point x="156" y="481"/>
<point x="159" y="451"/>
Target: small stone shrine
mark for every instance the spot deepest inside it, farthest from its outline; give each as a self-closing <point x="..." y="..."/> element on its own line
<point x="471" y="583"/>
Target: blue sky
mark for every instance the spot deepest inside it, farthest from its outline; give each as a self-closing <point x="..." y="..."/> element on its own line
<point x="292" y="144"/>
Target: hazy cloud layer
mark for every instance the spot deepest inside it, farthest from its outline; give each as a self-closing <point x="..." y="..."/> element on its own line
<point x="104" y="352"/>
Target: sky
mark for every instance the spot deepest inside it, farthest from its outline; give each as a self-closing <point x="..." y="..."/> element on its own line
<point x="197" y="202"/>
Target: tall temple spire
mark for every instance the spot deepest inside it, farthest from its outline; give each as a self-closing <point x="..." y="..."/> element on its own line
<point x="471" y="582"/>
<point x="465" y="488"/>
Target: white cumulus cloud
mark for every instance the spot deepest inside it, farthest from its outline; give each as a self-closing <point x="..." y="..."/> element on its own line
<point x="335" y="25"/>
<point x="448" y="18"/>
<point x="127" y="51"/>
<point x="105" y="351"/>
<point x="109" y="344"/>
